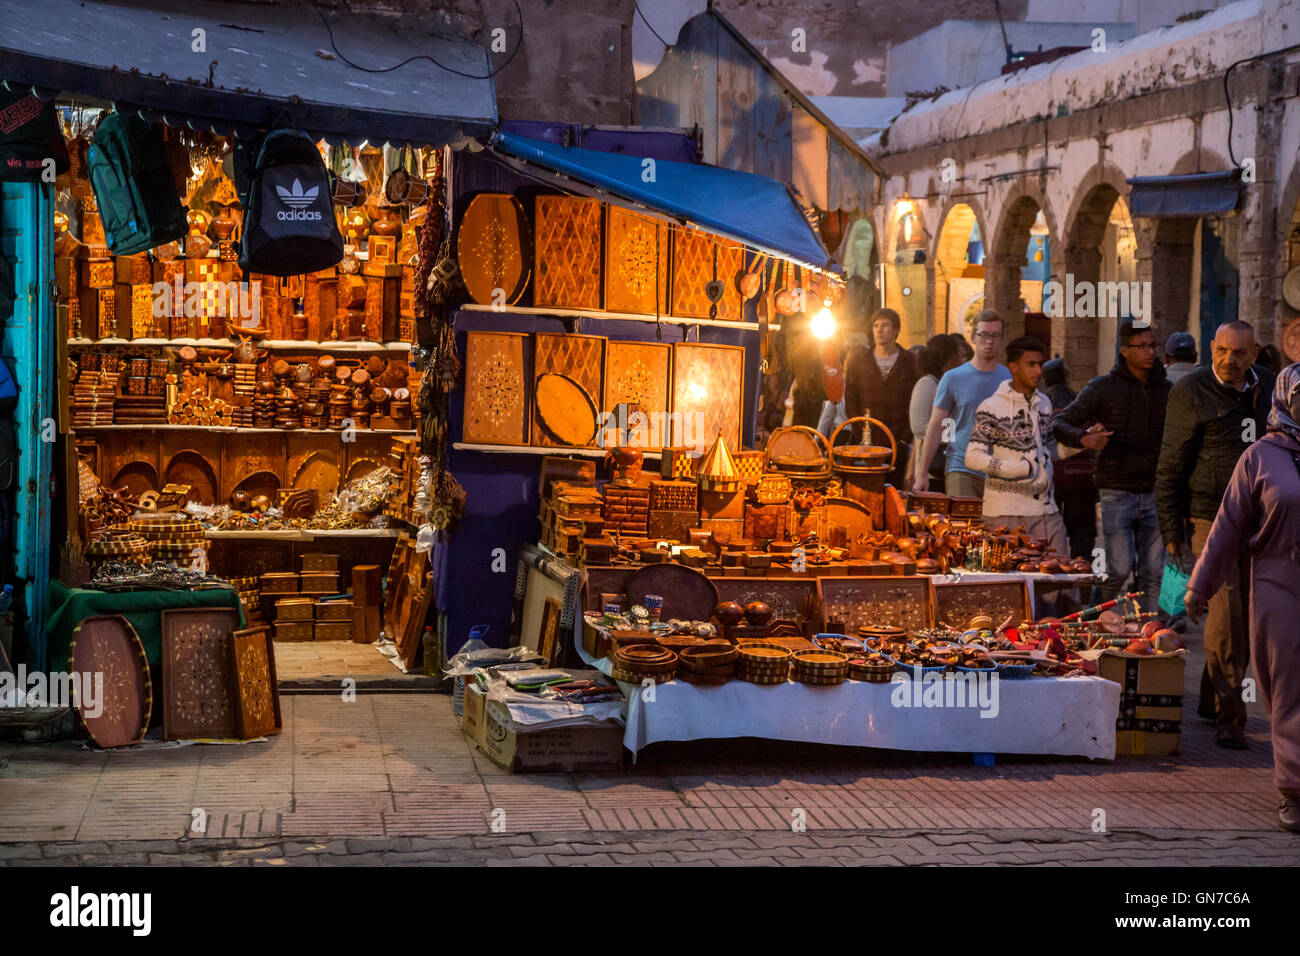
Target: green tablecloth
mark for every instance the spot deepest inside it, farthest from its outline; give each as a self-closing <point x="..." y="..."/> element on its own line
<point x="68" y="607"/>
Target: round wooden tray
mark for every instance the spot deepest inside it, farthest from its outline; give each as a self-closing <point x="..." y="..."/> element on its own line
<point x="708" y="655"/>
<point x="813" y="661"/>
<point x="108" y="647"/>
<point x="824" y="680"/>
<point x="565" y="409"/>
<point x="636" y="677"/>
<point x="688" y="595"/>
<point x="763" y="654"/>
<point x="491" y="248"/>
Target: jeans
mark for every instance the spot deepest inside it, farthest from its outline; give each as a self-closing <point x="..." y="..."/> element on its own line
<point x="1130" y="535"/>
<point x="962" y="484"/>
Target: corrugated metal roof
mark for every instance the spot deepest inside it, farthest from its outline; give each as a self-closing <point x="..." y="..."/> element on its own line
<point x="258" y="66"/>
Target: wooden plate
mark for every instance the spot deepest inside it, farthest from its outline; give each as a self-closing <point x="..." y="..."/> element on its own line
<point x="491" y="248"/>
<point x="687" y="593"/>
<point x="565" y="409"/>
<point x="110" y="647"/>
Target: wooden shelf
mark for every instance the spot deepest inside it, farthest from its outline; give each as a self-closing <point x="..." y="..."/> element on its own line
<point x="296" y="534"/>
<point x="618" y="316"/>
<point x="541" y="450"/>
<point x="247" y="431"/>
<point x="273" y="344"/>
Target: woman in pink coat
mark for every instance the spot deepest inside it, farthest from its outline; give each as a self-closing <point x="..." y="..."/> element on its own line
<point x="1260" y="514"/>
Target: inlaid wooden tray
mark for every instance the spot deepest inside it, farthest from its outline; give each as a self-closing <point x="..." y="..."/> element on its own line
<point x="955" y="603"/>
<point x="636" y="262"/>
<point x="492" y="248"/>
<point x="197" y="692"/>
<point x="257" y="695"/>
<point x="497" y="374"/>
<point x="565" y="411"/>
<point x="906" y="602"/>
<point x="577" y="357"/>
<point x="787" y="597"/>
<point x="693" y="269"/>
<point x="567" y="259"/>
<point x="708" y="380"/>
<point x="687" y="593"/>
<point x="109" y="646"/>
<point x="637" y="373"/>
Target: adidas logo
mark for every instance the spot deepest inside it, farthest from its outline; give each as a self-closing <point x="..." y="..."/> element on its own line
<point x="295" y="198"/>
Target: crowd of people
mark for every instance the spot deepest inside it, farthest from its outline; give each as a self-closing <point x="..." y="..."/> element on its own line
<point x="1180" y="469"/>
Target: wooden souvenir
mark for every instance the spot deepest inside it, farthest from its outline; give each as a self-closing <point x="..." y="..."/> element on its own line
<point x="637" y="373"/>
<point x="132" y="270"/>
<point x="636" y="262"/>
<point x="687" y="593"/>
<point x="766" y="522"/>
<point x="198" y="699"/>
<point x="956" y="603"/>
<point x="257" y="692"/>
<point x="366" y="624"/>
<point x="672" y="525"/>
<point x="567" y="252"/>
<point x="579" y="358"/>
<point x="320" y="561"/>
<point x="414" y="612"/>
<point x="320" y="305"/>
<point x="497" y="374"/>
<point x="708" y="381"/>
<point x="693" y="270"/>
<point x="244" y="456"/>
<point x="905" y="602"/>
<point x="564" y="410"/>
<point x="98" y="273"/>
<point x="295" y="631"/>
<point x="381" y="308"/>
<point x="108" y="648"/>
<point x="132" y="456"/>
<point x="92" y="228"/>
<point x="314" y="462"/>
<point x="295" y="609"/>
<point x="493" y="249"/>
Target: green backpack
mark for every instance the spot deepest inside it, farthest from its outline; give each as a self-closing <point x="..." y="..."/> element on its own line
<point x="133" y="185"/>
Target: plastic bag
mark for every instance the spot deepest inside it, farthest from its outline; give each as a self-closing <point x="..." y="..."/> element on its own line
<point x="1173" y="586"/>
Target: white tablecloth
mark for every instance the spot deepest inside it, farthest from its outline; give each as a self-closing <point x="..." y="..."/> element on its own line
<point x="1070" y="716"/>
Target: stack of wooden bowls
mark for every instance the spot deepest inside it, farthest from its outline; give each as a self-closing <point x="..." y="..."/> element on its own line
<point x="763" y="664"/>
<point x="820" y="667"/>
<point x="638" y="662"/>
<point x="711" y="662"/>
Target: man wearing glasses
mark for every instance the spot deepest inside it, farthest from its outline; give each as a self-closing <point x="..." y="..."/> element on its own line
<point x="960" y="393"/>
<point x="1214" y="414"/>
<point x="1118" y="417"/>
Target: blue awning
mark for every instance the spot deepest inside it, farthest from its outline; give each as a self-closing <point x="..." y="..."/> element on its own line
<point x="1184" y="197"/>
<point x="241" y="67"/>
<point x="754" y="210"/>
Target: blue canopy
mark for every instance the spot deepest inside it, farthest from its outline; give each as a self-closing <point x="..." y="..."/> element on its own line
<point x="1184" y="197"/>
<point x="757" y="211"/>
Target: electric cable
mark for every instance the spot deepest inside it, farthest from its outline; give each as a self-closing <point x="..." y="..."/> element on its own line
<point x="648" y="26"/>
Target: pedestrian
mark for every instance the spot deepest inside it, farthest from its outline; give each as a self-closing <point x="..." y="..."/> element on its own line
<point x="1214" y="415"/>
<point x="878" y="382"/>
<point x="1076" y="495"/>
<point x="1012" y="444"/>
<point x="941" y="354"/>
<point x="1116" y="417"/>
<point x="960" y="392"/>
<point x="1180" y="356"/>
<point x="1270" y="358"/>
<point x="1260" y="516"/>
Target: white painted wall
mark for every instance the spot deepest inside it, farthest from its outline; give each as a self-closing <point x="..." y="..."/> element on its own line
<point x="1146" y="14"/>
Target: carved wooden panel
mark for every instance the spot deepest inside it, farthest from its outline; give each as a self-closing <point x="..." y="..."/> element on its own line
<point x="708" y="381"/>
<point x="636" y="262"/>
<point x="108" y="648"/>
<point x="788" y="598"/>
<point x="492" y="247"/>
<point x="904" y="601"/>
<point x="364" y="455"/>
<point x="579" y="357"/>
<point x="567" y="242"/>
<point x="247" y="454"/>
<point x="497" y="379"/>
<point x="693" y="269"/>
<point x="637" y="373"/>
<point x="316" y="462"/>
<point x="1004" y="601"/>
<point x="197" y="693"/>
<point x="257" y="696"/>
<point x="129" y="459"/>
<point x="193" y="458"/>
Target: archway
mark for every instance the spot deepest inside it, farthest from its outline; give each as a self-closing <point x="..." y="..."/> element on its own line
<point x="1102" y="248"/>
<point x="905" y="270"/>
<point x="1005" y="281"/>
<point x="954" y="276"/>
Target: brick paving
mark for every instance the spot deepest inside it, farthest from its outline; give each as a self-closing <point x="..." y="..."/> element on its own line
<point x="390" y="778"/>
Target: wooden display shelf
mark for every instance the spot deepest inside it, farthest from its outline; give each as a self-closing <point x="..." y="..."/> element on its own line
<point x="541" y="450"/>
<point x="303" y="534"/>
<point x="274" y="344"/>
<point x="619" y="316"/>
<point x="240" y="429"/>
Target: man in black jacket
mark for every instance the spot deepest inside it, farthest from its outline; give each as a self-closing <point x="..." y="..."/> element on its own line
<point x="1117" y="417"/>
<point x="1214" y="414"/>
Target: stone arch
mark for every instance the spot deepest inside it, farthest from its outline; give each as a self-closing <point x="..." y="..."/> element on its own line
<point x="1288" y="245"/>
<point x="1007" y="257"/>
<point x="948" y="254"/>
<point x="903" y="272"/>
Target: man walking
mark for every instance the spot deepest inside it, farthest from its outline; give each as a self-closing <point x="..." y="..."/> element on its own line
<point x="1117" y="417"/>
<point x="1012" y="444"/>
<point x="960" y="393"/>
<point x="1076" y="495"/>
<point x="878" y="382"/>
<point x="1214" y="414"/>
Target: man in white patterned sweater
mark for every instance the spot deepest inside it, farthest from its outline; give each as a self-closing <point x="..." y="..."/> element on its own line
<point x="1012" y="443"/>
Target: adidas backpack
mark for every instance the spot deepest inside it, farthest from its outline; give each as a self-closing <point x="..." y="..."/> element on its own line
<point x="133" y="185"/>
<point x="289" y="226"/>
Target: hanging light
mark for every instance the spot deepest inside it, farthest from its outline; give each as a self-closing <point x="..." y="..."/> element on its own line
<point x="823" y="323"/>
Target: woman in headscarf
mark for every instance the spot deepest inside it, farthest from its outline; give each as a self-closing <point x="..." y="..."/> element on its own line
<point x="1260" y="514"/>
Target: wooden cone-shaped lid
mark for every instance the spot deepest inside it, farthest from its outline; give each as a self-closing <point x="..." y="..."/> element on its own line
<point x="718" y="471"/>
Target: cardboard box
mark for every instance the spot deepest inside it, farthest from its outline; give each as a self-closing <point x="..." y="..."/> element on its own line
<point x="1150" y="703"/>
<point x="561" y="749"/>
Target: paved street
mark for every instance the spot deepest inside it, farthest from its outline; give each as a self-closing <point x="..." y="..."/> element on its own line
<point x="390" y="778"/>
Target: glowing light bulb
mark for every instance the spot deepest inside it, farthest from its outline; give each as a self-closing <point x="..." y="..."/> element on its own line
<point x="823" y="324"/>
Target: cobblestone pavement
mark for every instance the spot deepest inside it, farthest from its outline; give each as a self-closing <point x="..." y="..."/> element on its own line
<point x="390" y="778"/>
